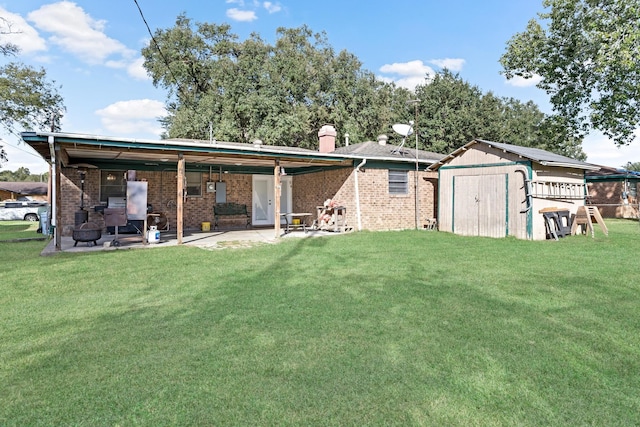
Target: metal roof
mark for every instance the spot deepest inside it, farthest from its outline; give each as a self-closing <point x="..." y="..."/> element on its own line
<point x="84" y="149"/>
<point x="543" y="157"/>
<point x="607" y="173"/>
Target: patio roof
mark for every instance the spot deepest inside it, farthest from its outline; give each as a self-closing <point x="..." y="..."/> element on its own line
<point x="104" y="151"/>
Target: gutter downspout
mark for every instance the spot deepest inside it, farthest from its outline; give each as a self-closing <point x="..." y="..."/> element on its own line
<point x="528" y="198"/>
<point x="358" y="212"/>
<point x="52" y="178"/>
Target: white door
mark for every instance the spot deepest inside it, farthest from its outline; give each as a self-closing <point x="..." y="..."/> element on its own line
<point x="263" y="210"/>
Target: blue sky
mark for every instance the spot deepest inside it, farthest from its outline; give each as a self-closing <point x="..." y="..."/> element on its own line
<point x="92" y="50"/>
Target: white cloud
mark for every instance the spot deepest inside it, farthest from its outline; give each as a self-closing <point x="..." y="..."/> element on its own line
<point x="603" y="151"/>
<point x="134" y="116"/>
<point x="272" y="7"/>
<point x="451" y="64"/>
<point x="76" y="32"/>
<point x="21" y="155"/>
<point x="518" y="81"/>
<point x="407" y="74"/>
<point x="20" y="33"/>
<point x="137" y="71"/>
<point x="241" y="15"/>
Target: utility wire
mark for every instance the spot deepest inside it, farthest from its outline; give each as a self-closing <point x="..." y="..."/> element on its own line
<point x="164" y="58"/>
<point x="4" y="141"/>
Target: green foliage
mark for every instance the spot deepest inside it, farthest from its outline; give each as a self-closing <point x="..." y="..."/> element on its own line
<point x="20" y="175"/>
<point x="588" y="55"/>
<point x="452" y="112"/>
<point x="632" y="166"/>
<point x="281" y="93"/>
<point x="27" y="99"/>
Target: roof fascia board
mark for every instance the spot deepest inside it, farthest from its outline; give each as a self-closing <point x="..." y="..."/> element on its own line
<point x="181" y="146"/>
<point x="217" y="147"/>
<point x="488" y="165"/>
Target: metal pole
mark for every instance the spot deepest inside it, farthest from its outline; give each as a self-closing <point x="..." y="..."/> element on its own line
<point x="415" y="130"/>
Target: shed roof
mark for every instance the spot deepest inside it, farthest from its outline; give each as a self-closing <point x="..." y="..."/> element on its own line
<point x="543" y="157"/>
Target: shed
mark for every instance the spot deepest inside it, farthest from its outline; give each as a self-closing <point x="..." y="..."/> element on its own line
<point x="496" y="190"/>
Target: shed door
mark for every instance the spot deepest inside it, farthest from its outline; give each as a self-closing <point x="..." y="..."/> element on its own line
<point x="480" y="205"/>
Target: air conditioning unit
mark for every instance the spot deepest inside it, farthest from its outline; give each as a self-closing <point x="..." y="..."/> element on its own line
<point x="211" y="187"/>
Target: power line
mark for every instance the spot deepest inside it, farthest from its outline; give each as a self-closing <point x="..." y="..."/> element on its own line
<point x="164" y="58"/>
<point x="4" y="141"/>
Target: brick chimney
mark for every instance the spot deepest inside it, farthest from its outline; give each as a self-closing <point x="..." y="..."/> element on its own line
<point x="327" y="136"/>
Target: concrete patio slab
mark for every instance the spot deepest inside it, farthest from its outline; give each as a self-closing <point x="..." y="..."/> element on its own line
<point x="206" y="240"/>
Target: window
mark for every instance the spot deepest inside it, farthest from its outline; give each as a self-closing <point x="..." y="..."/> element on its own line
<point x="112" y="184"/>
<point x="398" y="182"/>
<point x="194" y="184"/>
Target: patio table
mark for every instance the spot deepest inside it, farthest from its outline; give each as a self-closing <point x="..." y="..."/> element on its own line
<point x="290" y="225"/>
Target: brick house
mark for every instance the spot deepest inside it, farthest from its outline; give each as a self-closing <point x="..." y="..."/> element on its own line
<point x="381" y="186"/>
<point x="15" y="190"/>
<point x="614" y="192"/>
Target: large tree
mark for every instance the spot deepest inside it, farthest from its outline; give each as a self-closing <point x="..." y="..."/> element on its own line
<point x="281" y="93"/>
<point x="27" y="99"/>
<point x="587" y="53"/>
<point x="452" y="112"/>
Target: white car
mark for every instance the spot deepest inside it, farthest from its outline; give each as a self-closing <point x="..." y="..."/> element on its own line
<point x="21" y="211"/>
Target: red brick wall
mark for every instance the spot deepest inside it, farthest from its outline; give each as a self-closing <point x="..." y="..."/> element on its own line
<point x="161" y="194"/>
<point x="607" y="195"/>
<point x="379" y="210"/>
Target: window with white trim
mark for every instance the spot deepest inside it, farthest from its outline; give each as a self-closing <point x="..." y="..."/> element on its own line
<point x="398" y="182"/>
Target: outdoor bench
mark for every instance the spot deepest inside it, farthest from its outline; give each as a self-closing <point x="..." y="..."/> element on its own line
<point x="230" y="210"/>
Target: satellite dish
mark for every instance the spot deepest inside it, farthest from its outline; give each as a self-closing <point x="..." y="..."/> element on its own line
<point x="402" y="129"/>
<point x="405" y="131"/>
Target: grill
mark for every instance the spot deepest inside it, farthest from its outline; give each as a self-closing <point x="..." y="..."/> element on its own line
<point x="115" y="217"/>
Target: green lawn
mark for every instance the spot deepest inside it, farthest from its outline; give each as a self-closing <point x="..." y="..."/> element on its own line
<point x="389" y="328"/>
<point x="17" y="230"/>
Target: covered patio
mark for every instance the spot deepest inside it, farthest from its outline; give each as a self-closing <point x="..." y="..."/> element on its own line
<point x="79" y="163"/>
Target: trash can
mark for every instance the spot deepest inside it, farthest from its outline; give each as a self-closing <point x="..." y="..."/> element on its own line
<point x="43" y="215"/>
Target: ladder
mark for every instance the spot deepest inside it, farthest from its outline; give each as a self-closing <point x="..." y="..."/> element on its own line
<point x="557" y="190"/>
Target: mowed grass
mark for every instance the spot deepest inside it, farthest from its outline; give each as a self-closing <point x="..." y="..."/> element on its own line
<point x="389" y="328"/>
<point x="16" y="230"/>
